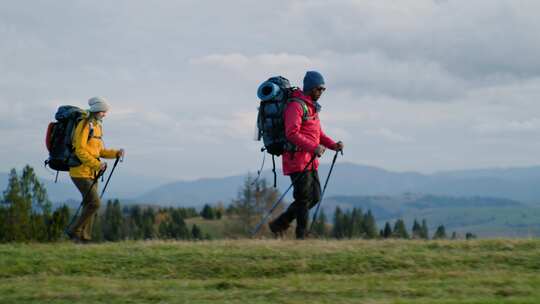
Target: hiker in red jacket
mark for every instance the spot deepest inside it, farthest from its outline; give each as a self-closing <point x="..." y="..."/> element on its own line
<point x="303" y="129"/>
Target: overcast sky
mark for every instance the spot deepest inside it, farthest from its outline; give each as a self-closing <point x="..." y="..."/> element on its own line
<point x="412" y="85"/>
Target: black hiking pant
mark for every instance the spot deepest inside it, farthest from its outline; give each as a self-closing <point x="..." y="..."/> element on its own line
<point x="307" y="193"/>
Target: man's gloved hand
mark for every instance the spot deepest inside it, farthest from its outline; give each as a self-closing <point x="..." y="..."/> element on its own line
<point x="339" y="146"/>
<point x="319" y="151"/>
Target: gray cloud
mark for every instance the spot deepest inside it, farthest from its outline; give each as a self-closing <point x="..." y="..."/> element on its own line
<point x="422" y="85"/>
<point x="471" y="40"/>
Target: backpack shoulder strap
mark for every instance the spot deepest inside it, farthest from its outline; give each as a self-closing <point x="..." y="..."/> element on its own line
<point x="86" y="121"/>
<point x="91" y="132"/>
<point x="304" y="106"/>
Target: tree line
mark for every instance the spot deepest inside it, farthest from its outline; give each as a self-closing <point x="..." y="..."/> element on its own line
<point x="25" y="211"/>
<point x="354" y="223"/>
<point x="26" y="215"/>
<point x="117" y="223"/>
<point x="256" y="197"/>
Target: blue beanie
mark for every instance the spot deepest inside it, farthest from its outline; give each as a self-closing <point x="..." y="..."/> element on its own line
<point x="312" y="80"/>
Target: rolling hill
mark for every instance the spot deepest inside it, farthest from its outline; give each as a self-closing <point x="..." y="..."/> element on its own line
<point x="518" y="184"/>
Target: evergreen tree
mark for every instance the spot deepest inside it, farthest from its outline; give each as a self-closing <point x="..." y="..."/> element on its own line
<point x="34" y="191"/>
<point x="106" y="224"/>
<point x="424" y="230"/>
<point x="39" y="226"/>
<point x="319" y="227"/>
<point x="196" y="233"/>
<point x="400" y="231"/>
<point x="26" y="210"/>
<point x="57" y="223"/>
<point x="174" y="226"/>
<point x="113" y="220"/>
<point x="357" y="223"/>
<point x="416" y="230"/>
<point x="347" y="224"/>
<point x="188" y="212"/>
<point x="470" y="236"/>
<point x="208" y="212"/>
<point x="179" y="229"/>
<point x="97" y="229"/>
<point x="338" y="230"/>
<point x="135" y="223"/>
<point x="370" y="226"/>
<point x="16" y="223"/>
<point x="3" y="221"/>
<point x="148" y="229"/>
<point x="163" y="230"/>
<point x="387" y="233"/>
<point x="440" y="233"/>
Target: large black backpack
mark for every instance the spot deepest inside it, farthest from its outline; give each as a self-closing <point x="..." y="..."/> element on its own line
<point x="275" y="94"/>
<point x="59" y="139"/>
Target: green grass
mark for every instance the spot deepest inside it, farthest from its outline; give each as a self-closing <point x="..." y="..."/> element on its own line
<point x="260" y="271"/>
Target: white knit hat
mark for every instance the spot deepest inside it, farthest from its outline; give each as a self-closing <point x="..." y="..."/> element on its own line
<point x="98" y="104"/>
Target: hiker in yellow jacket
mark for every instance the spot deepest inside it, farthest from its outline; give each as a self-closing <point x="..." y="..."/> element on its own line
<point x="89" y="148"/>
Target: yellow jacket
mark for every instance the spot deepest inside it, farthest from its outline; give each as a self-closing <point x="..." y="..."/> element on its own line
<point x="89" y="150"/>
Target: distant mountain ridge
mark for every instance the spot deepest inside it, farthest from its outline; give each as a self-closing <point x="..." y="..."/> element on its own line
<point x="518" y="184"/>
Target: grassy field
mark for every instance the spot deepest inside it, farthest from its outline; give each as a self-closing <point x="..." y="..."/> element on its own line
<point x="260" y="271"/>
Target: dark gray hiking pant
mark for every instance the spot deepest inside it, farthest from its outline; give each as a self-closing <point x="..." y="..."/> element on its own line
<point x="83" y="226"/>
<point x="307" y="193"/>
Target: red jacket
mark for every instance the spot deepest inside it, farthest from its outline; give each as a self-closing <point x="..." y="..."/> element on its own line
<point x="305" y="135"/>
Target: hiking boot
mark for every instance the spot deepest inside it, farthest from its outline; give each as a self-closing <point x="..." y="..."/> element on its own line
<point x="300" y="235"/>
<point x="70" y="234"/>
<point x="75" y="238"/>
<point x="84" y="241"/>
<point x="277" y="228"/>
<point x="275" y="231"/>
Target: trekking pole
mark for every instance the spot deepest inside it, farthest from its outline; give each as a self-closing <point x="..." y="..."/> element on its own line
<point x="258" y="227"/>
<point x="259" y="172"/>
<point x="100" y="173"/>
<point x="109" y="178"/>
<point x="324" y="190"/>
